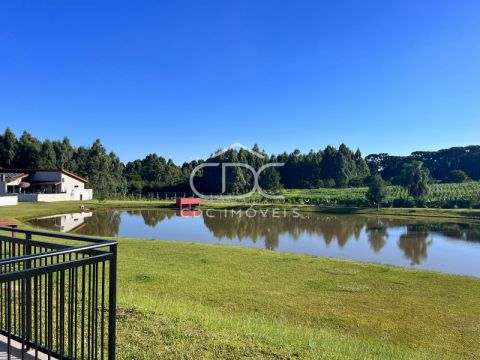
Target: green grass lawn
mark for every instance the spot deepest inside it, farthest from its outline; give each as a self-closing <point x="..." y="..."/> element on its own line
<point x="191" y="301"/>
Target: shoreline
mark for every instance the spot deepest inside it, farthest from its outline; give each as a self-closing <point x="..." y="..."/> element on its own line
<point x="24" y="215"/>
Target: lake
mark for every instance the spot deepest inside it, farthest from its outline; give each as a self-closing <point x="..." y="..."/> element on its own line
<point x="447" y="247"/>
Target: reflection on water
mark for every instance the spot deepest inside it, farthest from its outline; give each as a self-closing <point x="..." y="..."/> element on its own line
<point x="414" y="243"/>
<point x="377" y="234"/>
<point x="451" y="247"/>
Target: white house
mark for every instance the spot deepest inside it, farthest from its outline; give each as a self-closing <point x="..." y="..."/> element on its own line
<point x="43" y="185"/>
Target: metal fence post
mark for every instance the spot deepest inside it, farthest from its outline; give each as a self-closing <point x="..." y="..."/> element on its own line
<point x="112" y="311"/>
<point x="28" y="289"/>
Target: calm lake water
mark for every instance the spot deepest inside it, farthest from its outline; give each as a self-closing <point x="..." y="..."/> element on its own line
<point x="447" y="247"/>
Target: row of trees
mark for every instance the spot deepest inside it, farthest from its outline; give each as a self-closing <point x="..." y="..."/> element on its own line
<point x="330" y="167"/>
<point x="457" y="164"/>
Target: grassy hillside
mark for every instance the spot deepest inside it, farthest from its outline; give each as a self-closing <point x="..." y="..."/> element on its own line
<point x="181" y="300"/>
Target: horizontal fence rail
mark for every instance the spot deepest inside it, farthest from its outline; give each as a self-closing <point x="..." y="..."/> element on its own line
<point x="57" y="295"/>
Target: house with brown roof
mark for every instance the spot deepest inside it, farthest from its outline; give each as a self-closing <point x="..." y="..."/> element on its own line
<point x="43" y="185"/>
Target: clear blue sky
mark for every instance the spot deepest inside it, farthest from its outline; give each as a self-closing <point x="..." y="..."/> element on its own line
<point x="184" y="78"/>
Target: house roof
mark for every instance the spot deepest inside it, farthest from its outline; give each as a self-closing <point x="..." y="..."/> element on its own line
<point x="66" y="172"/>
<point x="13" y="175"/>
<point x="27" y="172"/>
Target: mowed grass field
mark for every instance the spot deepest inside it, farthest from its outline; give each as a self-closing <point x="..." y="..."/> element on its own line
<point x="192" y="301"/>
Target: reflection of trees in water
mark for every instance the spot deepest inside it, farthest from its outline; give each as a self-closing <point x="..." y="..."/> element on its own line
<point x="377" y="234"/>
<point x="152" y="217"/>
<point x="269" y="228"/>
<point x="456" y="231"/>
<point x="102" y="223"/>
<point x="107" y="222"/>
<point x="415" y="243"/>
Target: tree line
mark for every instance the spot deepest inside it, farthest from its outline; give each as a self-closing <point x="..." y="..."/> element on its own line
<point x="457" y="164"/>
<point x="329" y="167"/>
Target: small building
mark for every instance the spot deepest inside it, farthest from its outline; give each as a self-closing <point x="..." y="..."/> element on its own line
<point x="31" y="185"/>
<point x="190" y="202"/>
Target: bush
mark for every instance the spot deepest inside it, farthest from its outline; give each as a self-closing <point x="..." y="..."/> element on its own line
<point x="330" y="183"/>
<point x="456" y="176"/>
<point x="404" y="203"/>
<point x="357" y="182"/>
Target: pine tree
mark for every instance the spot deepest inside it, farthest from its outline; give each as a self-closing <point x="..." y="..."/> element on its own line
<point x="8" y="148"/>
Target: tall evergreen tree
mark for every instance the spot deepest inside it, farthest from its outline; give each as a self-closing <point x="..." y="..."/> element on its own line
<point x="28" y="151"/>
<point x="8" y="148"/>
<point x="64" y="153"/>
<point x="48" y="157"/>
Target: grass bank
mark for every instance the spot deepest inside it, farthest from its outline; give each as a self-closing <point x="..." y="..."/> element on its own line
<point x="432" y="214"/>
<point x="191" y="301"/>
<point x="210" y="301"/>
<point x="26" y="211"/>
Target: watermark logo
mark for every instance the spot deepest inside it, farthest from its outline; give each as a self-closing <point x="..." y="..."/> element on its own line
<point x="256" y="174"/>
<point x="250" y="213"/>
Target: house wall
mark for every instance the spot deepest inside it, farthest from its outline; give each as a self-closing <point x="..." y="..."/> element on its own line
<point x="76" y="194"/>
<point x="8" y="200"/>
<point x="69" y="184"/>
<point x="34" y="197"/>
<point x="72" y="188"/>
<point x="85" y="194"/>
<point x="75" y="189"/>
<point x="28" y="197"/>
<point x="3" y="187"/>
<point x="51" y="197"/>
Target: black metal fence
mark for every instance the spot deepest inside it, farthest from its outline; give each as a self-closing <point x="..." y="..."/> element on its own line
<point x="57" y="295"/>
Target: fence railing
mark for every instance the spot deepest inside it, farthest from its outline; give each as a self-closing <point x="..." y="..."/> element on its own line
<point x="57" y="295"/>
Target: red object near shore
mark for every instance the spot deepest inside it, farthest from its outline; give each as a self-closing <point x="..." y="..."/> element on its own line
<point x="189" y="213"/>
<point x="190" y="202"/>
<point x="11" y="224"/>
<point x="8" y="223"/>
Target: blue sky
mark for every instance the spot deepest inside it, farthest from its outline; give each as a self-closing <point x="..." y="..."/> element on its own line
<point x="184" y="78"/>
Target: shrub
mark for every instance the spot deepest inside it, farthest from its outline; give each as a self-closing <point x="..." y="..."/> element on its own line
<point x="330" y="183"/>
<point x="456" y="176"/>
<point x="403" y="203"/>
